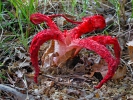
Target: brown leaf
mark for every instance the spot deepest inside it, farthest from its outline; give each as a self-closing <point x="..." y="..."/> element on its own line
<point x="130" y="50"/>
<point x="19" y="73"/>
<point x="49" y="83"/>
<point x="100" y="67"/>
<point x="60" y="21"/>
<point x="97" y="95"/>
<point x="120" y="73"/>
<point x="103" y="68"/>
<point x="52" y="56"/>
<point x="21" y="53"/>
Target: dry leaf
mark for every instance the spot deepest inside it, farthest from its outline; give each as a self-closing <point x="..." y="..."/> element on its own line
<point x="73" y="92"/>
<point x="79" y="68"/>
<point x="103" y="68"/>
<point x="52" y="56"/>
<point x="36" y="91"/>
<point x="100" y="67"/>
<point x="60" y="21"/>
<point x="19" y="73"/>
<point x="21" y="53"/>
<point x="23" y="64"/>
<point x="97" y="95"/>
<point x="130" y="50"/>
<point x="120" y="73"/>
<point x="49" y="83"/>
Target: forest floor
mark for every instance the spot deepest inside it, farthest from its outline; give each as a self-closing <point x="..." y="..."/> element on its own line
<point x="79" y="75"/>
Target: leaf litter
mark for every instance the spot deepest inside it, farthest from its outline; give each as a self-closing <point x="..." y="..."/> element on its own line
<point x="68" y="82"/>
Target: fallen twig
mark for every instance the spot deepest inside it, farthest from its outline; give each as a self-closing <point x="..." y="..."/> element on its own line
<point x="18" y="95"/>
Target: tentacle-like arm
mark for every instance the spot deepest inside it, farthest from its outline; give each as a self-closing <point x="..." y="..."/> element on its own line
<point x="109" y="40"/>
<point x="89" y="24"/>
<point x="37" y="41"/>
<point x="103" y="52"/>
<point x="105" y="40"/>
<point x="62" y="15"/>
<point x="38" y="18"/>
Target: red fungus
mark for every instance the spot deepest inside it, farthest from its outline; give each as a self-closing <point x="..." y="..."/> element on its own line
<point x="69" y="40"/>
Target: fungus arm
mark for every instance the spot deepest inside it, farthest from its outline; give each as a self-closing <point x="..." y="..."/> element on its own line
<point x="89" y="24"/>
<point x="104" y="40"/>
<point x="69" y="20"/>
<point x="103" y="52"/>
<point x="38" y="18"/>
<point x="37" y="41"/>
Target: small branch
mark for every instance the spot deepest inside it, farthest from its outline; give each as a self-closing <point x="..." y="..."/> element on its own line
<point x="67" y="83"/>
<point x="18" y="95"/>
<point x="1" y="33"/>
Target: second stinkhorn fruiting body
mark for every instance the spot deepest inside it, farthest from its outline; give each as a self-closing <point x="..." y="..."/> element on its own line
<point x="70" y="40"/>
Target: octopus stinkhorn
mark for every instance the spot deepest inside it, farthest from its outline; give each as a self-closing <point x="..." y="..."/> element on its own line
<point x="70" y="40"/>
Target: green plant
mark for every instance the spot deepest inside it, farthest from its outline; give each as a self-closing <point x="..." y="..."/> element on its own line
<point x="1" y="76"/>
<point x="21" y="12"/>
<point x="132" y="8"/>
<point x="23" y="9"/>
<point x="84" y="6"/>
<point x="71" y="7"/>
<point x="97" y="3"/>
<point x="116" y="4"/>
